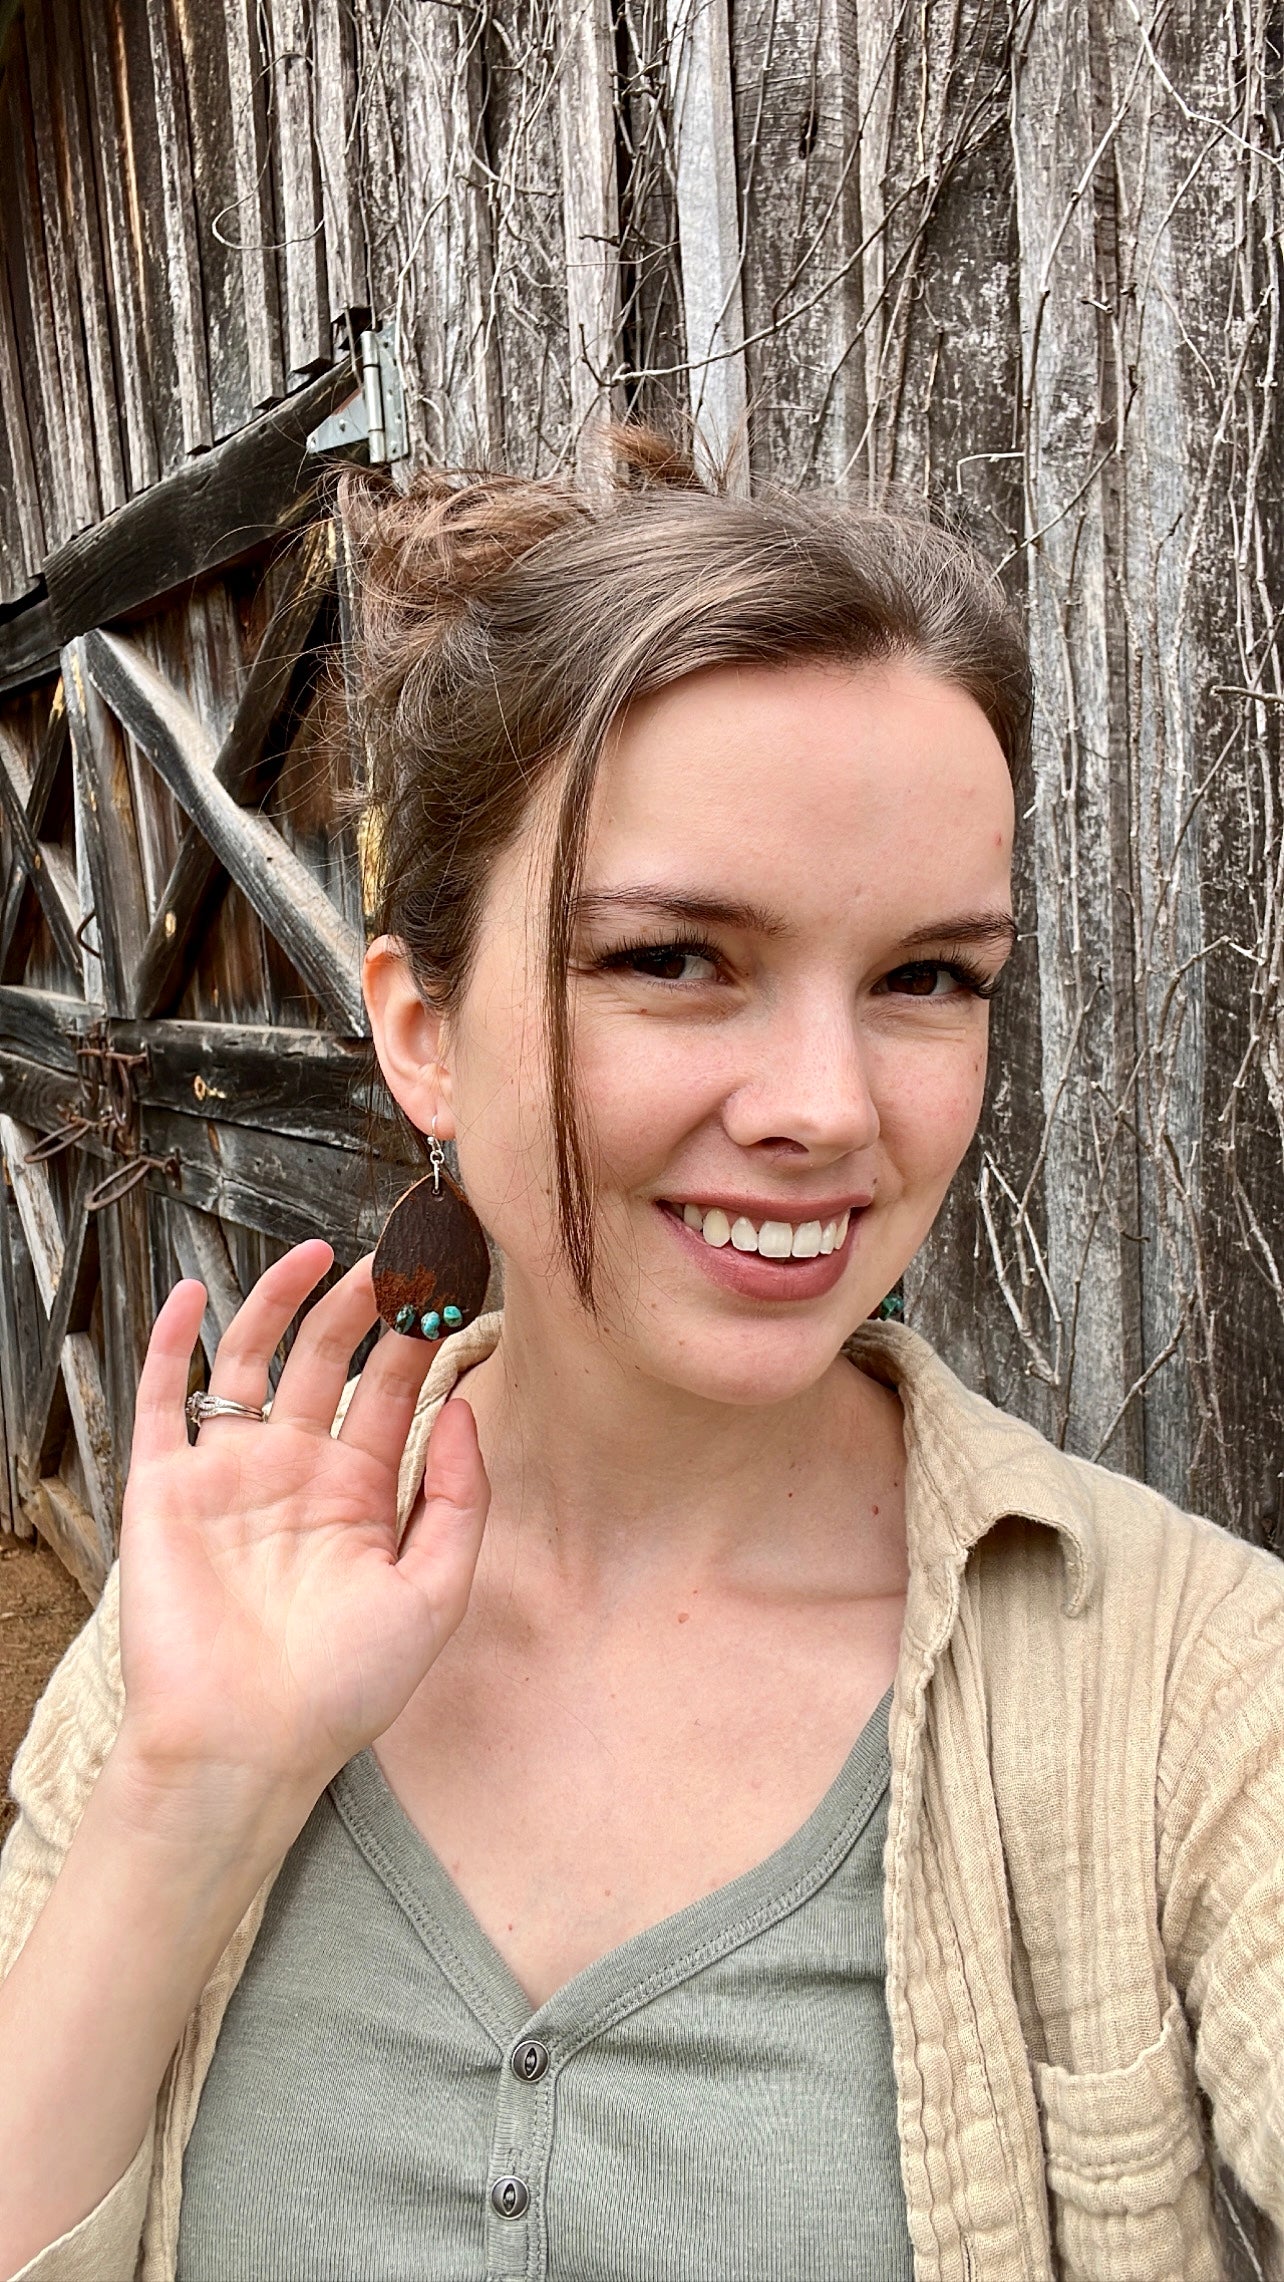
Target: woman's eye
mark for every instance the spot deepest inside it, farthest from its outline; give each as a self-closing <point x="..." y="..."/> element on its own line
<point x="670" y="962"/>
<point x="928" y="978"/>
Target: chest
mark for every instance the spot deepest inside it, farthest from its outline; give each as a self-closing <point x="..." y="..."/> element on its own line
<point x="582" y="1788"/>
<point x="714" y="2097"/>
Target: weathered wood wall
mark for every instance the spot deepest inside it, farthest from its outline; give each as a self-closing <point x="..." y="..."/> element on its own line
<point x="1022" y="260"/>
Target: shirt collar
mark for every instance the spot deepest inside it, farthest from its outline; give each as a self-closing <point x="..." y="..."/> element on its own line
<point x="970" y="1464"/>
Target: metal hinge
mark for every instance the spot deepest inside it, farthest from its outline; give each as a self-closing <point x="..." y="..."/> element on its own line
<point x="374" y="417"/>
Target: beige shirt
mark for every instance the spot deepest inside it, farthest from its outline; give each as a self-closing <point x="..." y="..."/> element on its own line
<point x="1084" y="1879"/>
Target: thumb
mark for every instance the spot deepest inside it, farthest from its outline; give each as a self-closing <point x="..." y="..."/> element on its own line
<point x="443" y="1535"/>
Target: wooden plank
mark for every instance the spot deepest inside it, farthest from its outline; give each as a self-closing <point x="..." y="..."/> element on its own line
<point x="253" y="230"/>
<point x="1089" y="1181"/>
<point x="246" y="492"/>
<point x="48" y="867"/>
<point x="83" y="492"/>
<point x="182" y="251"/>
<point x="58" y="493"/>
<point x="308" y="338"/>
<point x="202" y="40"/>
<point x="22" y="466"/>
<point x="590" y="211"/>
<point x="113" y="150"/>
<point x="80" y="204"/>
<point x="441" y="283"/>
<point x="336" y="101"/>
<point x="71" y="1531"/>
<point x="709" y="231"/>
<point x="15" y="1306"/>
<point x="105" y="835"/>
<point x="181" y="907"/>
<point x="291" y="903"/>
<point x="796" y="83"/>
<point x="28" y="645"/>
<point x="288" y="1189"/>
<point x="43" y="1023"/>
<point x="201" y="1250"/>
<point x="33" y="1196"/>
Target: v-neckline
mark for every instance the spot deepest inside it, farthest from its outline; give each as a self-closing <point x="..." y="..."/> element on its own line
<point x="649" y="1962"/>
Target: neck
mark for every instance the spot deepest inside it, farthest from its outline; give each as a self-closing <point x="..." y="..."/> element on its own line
<point x="614" y="1473"/>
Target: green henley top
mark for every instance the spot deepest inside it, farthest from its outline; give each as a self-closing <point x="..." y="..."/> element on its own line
<point x="715" y="2097"/>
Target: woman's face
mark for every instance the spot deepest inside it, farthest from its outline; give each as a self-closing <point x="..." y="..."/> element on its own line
<point x="795" y="899"/>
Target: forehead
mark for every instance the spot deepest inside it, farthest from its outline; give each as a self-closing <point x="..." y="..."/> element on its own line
<point x="824" y="789"/>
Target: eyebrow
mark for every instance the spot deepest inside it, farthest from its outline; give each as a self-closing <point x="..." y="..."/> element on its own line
<point x="752" y="918"/>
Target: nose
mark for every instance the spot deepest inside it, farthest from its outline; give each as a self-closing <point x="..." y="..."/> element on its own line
<point x="804" y="1087"/>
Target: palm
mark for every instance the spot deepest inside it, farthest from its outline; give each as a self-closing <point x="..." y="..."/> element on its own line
<point x="267" y="1619"/>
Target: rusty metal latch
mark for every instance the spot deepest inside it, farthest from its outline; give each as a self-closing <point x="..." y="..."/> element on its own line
<point x="108" y="1107"/>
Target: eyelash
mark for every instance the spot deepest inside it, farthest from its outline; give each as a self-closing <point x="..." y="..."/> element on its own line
<point x="970" y="977"/>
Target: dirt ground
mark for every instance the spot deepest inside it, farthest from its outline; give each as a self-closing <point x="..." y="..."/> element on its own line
<point x="41" y="1610"/>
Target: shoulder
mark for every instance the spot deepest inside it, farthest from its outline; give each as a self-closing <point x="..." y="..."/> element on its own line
<point x="1140" y="1574"/>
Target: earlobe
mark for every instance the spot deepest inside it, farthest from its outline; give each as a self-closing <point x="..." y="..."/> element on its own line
<point x="409" y="1035"/>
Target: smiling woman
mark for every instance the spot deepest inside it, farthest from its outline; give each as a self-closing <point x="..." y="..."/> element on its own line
<point x="731" y="1802"/>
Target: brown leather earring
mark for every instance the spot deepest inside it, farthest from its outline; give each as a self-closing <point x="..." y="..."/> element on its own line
<point x="431" y="1264"/>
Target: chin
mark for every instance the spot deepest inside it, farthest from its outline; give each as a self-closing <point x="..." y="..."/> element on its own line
<point x="747" y="1365"/>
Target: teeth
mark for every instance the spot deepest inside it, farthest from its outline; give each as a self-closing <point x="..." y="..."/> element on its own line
<point x="774" y="1240"/>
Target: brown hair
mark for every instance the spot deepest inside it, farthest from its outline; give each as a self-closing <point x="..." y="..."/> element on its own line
<point x="503" y="624"/>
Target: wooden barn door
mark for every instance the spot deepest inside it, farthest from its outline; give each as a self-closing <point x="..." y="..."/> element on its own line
<point x="183" y="1073"/>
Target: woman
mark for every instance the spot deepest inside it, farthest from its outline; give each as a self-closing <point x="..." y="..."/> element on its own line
<point x="807" y="1826"/>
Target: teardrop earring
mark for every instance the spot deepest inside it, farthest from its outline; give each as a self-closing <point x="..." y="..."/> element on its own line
<point x="431" y="1264"/>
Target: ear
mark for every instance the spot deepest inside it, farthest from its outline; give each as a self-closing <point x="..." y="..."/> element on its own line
<point x="410" y="1038"/>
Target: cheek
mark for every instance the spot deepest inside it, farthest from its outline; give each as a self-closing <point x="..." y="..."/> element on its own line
<point x="642" y="1085"/>
<point x="929" y="1100"/>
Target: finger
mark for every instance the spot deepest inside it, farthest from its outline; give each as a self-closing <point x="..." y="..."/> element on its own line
<point x="320" y="1360"/>
<point x="383" y="1401"/>
<point x="160" y="1426"/>
<point x="259" y="1325"/>
<point x="440" y="1547"/>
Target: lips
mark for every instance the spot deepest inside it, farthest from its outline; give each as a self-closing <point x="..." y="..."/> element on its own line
<point x="749" y="1271"/>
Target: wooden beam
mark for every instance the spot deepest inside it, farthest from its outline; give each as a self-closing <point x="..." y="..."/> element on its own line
<point x="254" y="226"/>
<point x="22" y="466"/>
<point x="201" y="1250"/>
<point x="237" y="498"/>
<point x="28" y="645"/>
<point x="84" y="497"/>
<point x="288" y="1189"/>
<point x="182" y="907"/>
<point x="336" y="98"/>
<point x="709" y="230"/>
<point x="106" y="840"/>
<point x="182" y="253"/>
<point x="81" y="199"/>
<point x="48" y="867"/>
<point x="70" y="1530"/>
<point x="33" y="1195"/>
<point x="112" y="149"/>
<point x="288" y="899"/>
<point x="309" y="341"/>
<point x="590" y="209"/>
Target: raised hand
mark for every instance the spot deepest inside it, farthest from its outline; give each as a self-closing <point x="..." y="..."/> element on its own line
<point x="270" y="1627"/>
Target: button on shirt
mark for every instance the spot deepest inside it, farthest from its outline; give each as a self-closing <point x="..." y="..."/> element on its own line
<point x="714" y="2097"/>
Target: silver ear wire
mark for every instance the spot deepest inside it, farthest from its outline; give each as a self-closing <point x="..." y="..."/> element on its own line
<point x="436" y="1156"/>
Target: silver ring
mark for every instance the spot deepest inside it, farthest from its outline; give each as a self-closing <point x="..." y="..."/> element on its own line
<point x="200" y="1407"/>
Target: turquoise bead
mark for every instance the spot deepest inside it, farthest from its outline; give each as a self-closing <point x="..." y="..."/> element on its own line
<point x="452" y="1316"/>
<point x="405" y="1319"/>
<point x="430" y="1324"/>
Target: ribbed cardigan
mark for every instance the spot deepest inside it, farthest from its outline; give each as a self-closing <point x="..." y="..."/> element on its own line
<point x="1084" y="1876"/>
